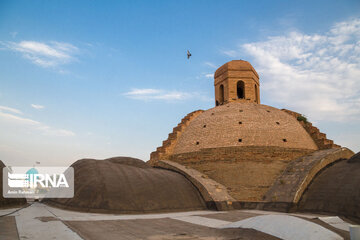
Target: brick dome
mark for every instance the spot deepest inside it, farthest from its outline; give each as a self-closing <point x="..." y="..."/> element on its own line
<point x="242" y="144"/>
<point x="243" y="124"/>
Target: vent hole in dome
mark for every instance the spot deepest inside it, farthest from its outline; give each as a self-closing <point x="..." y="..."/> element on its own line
<point x="240" y="110"/>
<point x="284" y="140"/>
<point x="197" y="143"/>
<point x="267" y="110"/>
<point x="277" y="123"/>
<point x="212" y="113"/>
<point x="204" y="126"/>
<point x="240" y="140"/>
<point x="240" y="122"/>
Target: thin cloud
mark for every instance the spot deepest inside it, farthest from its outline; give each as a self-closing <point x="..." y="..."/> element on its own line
<point x="205" y="75"/>
<point x="37" y="106"/>
<point x="44" y="54"/>
<point x="210" y="64"/>
<point x="230" y="53"/>
<point x="9" y="109"/>
<point x="7" y="115"/>
<point x="316" y="74"/>
<point x="156" y="94"/>
<point x="209" y="75"/>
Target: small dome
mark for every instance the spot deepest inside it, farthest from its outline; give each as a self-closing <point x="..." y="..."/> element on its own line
<point x="243" y="124"/>
<point x="236" y="65"/>
<point x="32" y="171"/>
<point x="335" y="189"/>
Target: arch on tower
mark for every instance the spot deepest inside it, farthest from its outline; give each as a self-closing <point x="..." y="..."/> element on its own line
<point x="236" y="81"/>
<point x="240" y="89"/>
<point x="221" y="94"/>
<point x="256" y="94"/>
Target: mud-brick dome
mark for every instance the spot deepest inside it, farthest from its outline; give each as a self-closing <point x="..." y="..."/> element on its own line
<point x="240" y="143"/>
<point x="128" y="185"/>
<point x="243" y="124"/>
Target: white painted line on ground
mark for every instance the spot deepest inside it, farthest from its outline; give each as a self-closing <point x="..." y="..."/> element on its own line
<point x="7" y="211"/>
<point x="286" y="227"/>
<point x="29" y="227"/>
<point x="66" y="215"/>
<point x="203" y="221"/>
<point x="336" y="222"/>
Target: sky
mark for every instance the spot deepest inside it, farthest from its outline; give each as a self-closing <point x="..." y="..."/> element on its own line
<point x="98" y="79"/>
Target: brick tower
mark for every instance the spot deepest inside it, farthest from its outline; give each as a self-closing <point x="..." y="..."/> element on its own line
<point x="236" y="81"/>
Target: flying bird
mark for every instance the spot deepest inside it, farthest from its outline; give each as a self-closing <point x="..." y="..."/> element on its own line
<point x="188" y="54"/>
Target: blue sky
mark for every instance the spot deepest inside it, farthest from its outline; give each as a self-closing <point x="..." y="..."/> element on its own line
<point x="110" y="78"/>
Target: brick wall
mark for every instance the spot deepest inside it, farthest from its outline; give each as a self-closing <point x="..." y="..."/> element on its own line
<point x="247" y="172"/>
<point x="168" y="145"/>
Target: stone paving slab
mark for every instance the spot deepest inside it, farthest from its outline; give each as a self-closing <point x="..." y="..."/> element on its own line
<point x="286" y="227"/>
<point x="7" y="211"/>
<point x="67" y="215"/>
<point x="203" y="221"/>
<point x="30" y="225"/>
<point x="232" y="216"/>
<point x="155" y="229"/>
<point x="336" y="222"/>
<point x="8" y="229"/>
<point x="40" y="221"/>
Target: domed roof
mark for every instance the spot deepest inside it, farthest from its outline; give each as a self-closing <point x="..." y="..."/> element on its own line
<point x="236" y="65"/>
<point x="32" y="171"/>
<point x="128" y="185"/>
<point x="243" y="124"/>
<point x="335" y="189"/>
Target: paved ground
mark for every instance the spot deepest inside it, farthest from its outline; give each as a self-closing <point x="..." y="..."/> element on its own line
<point x="164" y="228"/>
<point x="8" y="228"/>
<point x="40" y="221"/>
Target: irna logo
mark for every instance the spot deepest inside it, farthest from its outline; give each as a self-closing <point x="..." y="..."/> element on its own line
<point x="42" y="182"/>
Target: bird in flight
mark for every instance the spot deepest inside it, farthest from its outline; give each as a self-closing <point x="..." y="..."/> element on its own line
<point x="188" y="54"/>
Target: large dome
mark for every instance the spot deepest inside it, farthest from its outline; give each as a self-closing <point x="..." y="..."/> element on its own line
<point x="243" y="124"/>
<point x="244" y="145"/>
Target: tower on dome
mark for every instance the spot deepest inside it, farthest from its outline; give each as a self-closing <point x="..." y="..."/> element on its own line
<point x="236" y="81"/>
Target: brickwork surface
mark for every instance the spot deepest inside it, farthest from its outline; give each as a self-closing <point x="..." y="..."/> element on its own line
<point x="243" y="124"/>
<point x="319" y="138"/>
<point x="335" y="189"/>
<point x="298" y="174"/>
<point x="229" y="75"/>
<point x="247" y="172"/>
<point x="211" y="191"/>
<point x="169" y="144"/>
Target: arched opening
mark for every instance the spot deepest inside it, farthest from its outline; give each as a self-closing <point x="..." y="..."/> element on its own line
<point x="256" y="93"/>
<point x="217" y="103"/>
<point x="221" y="94"/>
<point x="240" y="89"/>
